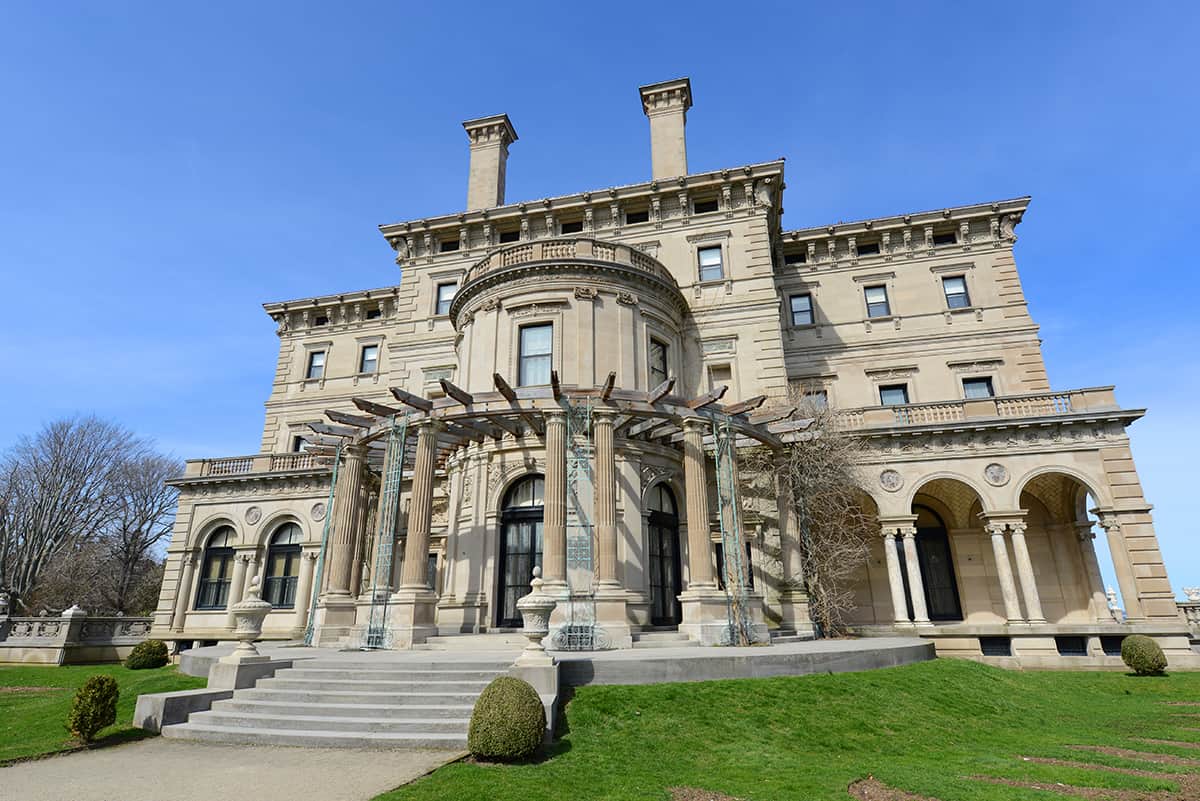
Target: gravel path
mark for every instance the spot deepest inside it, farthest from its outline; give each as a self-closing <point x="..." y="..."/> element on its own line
<point x="175" y="770"/>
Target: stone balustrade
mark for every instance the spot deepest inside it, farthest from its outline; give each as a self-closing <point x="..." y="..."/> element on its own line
<point x="1041" y="404"/>
<point x="568" y="248"/>
<point x="71" y="638"/>
<point x="1191" y="613"/>
<point x="247" y="465"/>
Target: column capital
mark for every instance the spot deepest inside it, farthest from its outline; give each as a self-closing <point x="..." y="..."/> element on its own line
<point x="996" y="528"/>
<point x="888" y="532"/>
<point x="1018" y="527"/>
<point x="553" y="415"/>
<point x="604" y="415"/>
<point x="908" y="532"/>
<point x="311" y="555"/>
<point x="691" y="423"/>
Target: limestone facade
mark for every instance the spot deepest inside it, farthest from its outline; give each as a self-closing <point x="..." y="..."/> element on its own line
<point x="914" y="328"/>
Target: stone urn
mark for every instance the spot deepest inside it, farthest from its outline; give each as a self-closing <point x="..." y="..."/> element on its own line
<point x="249" y="614"/>
<point x="535" y="609"/>
<point x="1191" y="593"/>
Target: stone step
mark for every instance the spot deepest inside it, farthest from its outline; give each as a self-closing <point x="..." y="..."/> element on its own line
<point x="290" y="708"/>
<point x="283" y="682"/>
<point x="659" y="636"/>
<point x="315" y="738"/>
<point x="685" y="643"/>
<point x="431" y="662"/>
<point x="357" y="697"/>
<point x="454" y="642"/>
<point x="399" y="674"/>
<point x="224" y="719"/>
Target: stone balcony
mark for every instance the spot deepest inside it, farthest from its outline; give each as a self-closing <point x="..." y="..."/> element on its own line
<point x="1036" y="405"/>
<point x="248" y="465"/>
<point x="573" y="249"/>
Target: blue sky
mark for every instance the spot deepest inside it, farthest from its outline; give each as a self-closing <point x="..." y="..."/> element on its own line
<point x="166" y="168"/>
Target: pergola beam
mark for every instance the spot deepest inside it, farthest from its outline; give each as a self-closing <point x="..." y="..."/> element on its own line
<point x="748" y="405"/>
<point x="661" y="391"/>
<point x="555" y="387"/>
<point x="503" y="388"/>
<point x="773" y="415"/>
<point x="377" y="409"/>
<point x="710" y="397"/>
<point x="460" y="395"/>
<point x="333" y="431"/>
<point x="409" y="399"/>
<point x="609" y="383"/>
<point x="347" y="419"/>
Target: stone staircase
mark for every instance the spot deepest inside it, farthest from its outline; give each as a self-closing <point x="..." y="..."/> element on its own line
<point x="353" y="703"/>
<point x="662" y="638"/>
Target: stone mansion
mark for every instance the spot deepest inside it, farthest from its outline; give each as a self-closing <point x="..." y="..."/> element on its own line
<point x="564" y="383"/>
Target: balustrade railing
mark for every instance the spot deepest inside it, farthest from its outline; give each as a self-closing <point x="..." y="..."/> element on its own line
<point x="1042" y="404"/>
<point x="1191" y="613"/>
<point x="248" y="465"/>
<point x="571" y="248"/>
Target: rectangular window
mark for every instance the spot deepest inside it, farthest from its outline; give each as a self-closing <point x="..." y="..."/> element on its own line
<point x="374" y="313"/>
<point x="870" y="249"/>
<point x="572" y="227"/>
<point x="719" y="375"/>
<point x="635" y="217"/>
<point x="893" y="395"/>
<point x="299" y="444"/>
<point x="510" y="236"/>
<point x="955" y="287"/>
<point x="711" y="268"/>
<point x="445" y="294"/>
<point x="316" y="364"/>
<point x="658" y="362"/>
<point x="977" y="388"/>
<point x="322" y="320"/>
<point x="802" y="311"/>
<point x="795" y="258"/>
<point x="534" y="352"/>
<point x="945" y="239"/>
<point x="368" y="360"/>
<point x="877" y="301"/>
<point x="704" y="206"/>
<point x="448" y="245"/>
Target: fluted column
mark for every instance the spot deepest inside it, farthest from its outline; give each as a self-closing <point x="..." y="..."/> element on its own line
<point x="1122" y="566"/>
<point x="183" y="598"/>
<point x="420" y="511"/>
<point x="554" y="525"/>
<point x="1008" y="588"/>
<point x="916" y="586"/>
<point x="700" y="568"/>
<point x="1033" y="602"/>
<point x="237" y="586"/>
<point x="606" y="497"/>
<point x="345" y="507"/>
<point x="895" y="579"/>
<point x="1091" y="569"/>
<point x="308" y="561"/>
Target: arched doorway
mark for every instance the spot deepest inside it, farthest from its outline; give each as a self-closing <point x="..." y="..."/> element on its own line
<point x="937" y="566"/>
<point x="520" y="546"/>
<point x="663" y="552"/>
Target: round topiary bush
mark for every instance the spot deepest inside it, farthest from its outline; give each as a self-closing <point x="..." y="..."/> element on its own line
<point x="94" y="707"/>
<point x="508" y="722"/>
<point x="147" y="654"/>
<point x="1143" y="655"/>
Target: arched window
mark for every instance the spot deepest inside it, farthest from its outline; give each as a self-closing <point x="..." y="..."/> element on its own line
<point x="283" y="566"/>
<point x="520" y="546"/>
<point x="217" y="567"/>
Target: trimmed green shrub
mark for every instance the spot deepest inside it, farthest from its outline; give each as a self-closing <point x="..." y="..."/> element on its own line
<point x="508" y="722"/>
<point x="1143" y="655"/>
<point x="147" y="654"/>
<point x="94" y="707"/>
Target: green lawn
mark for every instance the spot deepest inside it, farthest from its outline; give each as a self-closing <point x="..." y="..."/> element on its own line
<point x="32" y="721"/>
<point x="932" y="729"/>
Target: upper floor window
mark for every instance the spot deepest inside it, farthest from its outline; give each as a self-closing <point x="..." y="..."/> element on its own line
<point x="977" y="388"/>
<point x="321" y="320"/>
<point x="535" y="348"/>
<point x="368" y="361"/>
<point x="893" y="395"/>
<point x="877" y="301"/>
<point x="800" y="257"/>
<point x="704" y="206"/>
<point x="948" y="238"/>
<point x="572" y="227"/>
<point x="445" y="294"/>
<point x="711" y="267"/>
<point x="510" y="236"/>
<point x="816" y="399"/>
<point x="955" y="287"/>
<point x="635" y="217"/>
<point x="316" y="365"/>
<point x="374" y="313"/>
<point x="299" y="444"/>
<point x="658" y="362"/>
<point x="868" y="249"/>
<point x="719" y="375"/>
<point x="448" y="245"/>
<point x="802" y="310"/>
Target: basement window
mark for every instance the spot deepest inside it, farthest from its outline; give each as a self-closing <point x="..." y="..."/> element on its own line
<point x="995" y="646"/>
<point x="448" y="246"/>
<point x="704" y="206"/>
<point x="949" y="238"/>
<point x="572" y="227"/>
<point x="871" y="249"/>
<point x="1110" y="644"/>
<point x="510" y="236"/>
<point x="635" y="217"/>
<point x="1071" y="645"/>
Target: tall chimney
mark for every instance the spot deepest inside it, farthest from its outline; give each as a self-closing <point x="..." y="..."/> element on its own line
<point x="490" y="138"/>
<point x="666" y="105"/>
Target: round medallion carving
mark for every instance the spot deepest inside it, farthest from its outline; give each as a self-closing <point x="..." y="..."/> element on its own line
<point x="890" y="480"/>
<point x="253" y="515"/>
<point x="996" y="474"/>
<point x="318" y="511"/>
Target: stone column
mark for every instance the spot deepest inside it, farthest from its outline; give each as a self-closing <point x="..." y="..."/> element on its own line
<point x="1122" y="566"/>
<point x="895" y="580"/>
<point x="696" y="486"/>
<point x="308" y="562"/>
<point x="345" y="508"/>
<point x="420" y="511"/>
<point x="1091" y="569"/>
<point x="554" y="525"/>
<point x="916" y="586"/>
<point x="793" y="598"/>
<point x="183" y="598"/>
<point x="606" y="497"/>
<point x="1033" y="602"/>
<point x="1012" y="608"/>
<point x="237" y="586"/>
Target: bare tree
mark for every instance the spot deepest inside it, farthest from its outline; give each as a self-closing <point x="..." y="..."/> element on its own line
<point x="817" y="476"/>
<point x="82" y="503"/>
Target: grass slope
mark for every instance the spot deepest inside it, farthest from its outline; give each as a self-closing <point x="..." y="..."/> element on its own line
<point x="32" y="721"/>
<point x="925" y="728"/>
